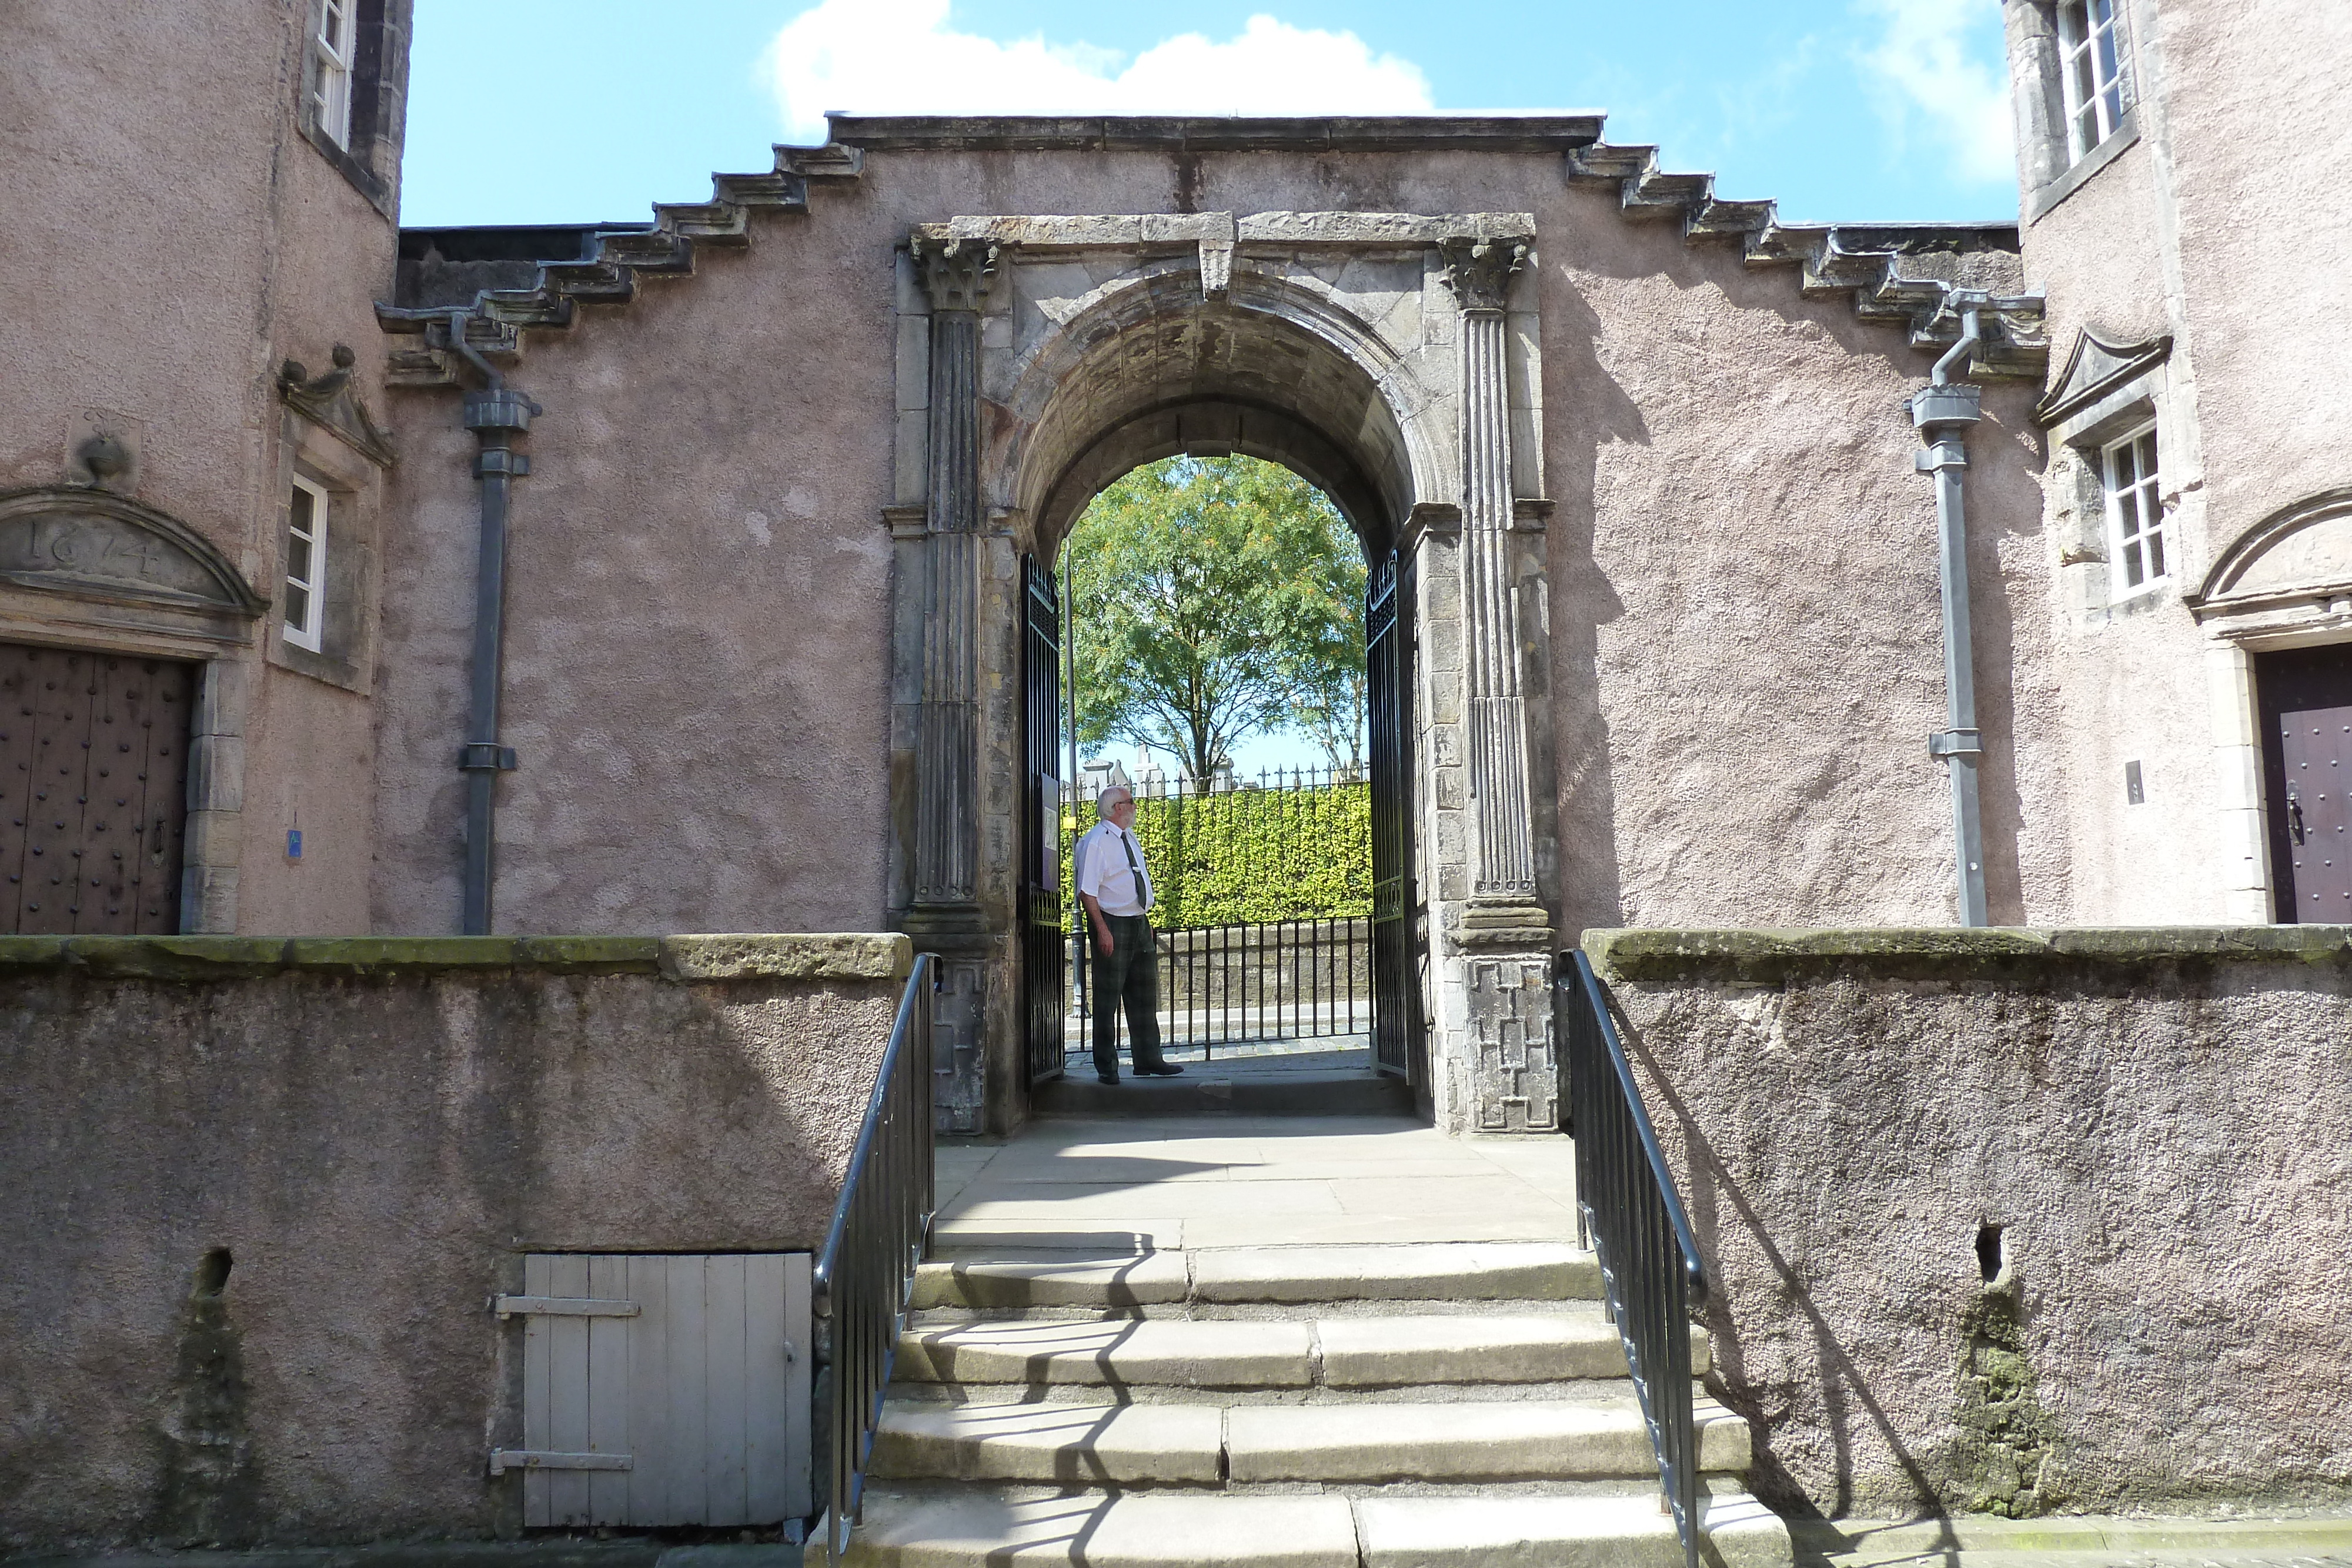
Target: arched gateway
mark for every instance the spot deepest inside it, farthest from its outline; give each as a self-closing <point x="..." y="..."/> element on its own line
<point x="1391" y="358"/>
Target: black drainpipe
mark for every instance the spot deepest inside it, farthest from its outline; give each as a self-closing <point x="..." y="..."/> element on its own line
<point x="496" y="415"/>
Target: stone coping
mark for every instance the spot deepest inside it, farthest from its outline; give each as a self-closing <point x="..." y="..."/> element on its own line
<point x="1948" y="951"/>
<point x="822" y="956"/>
<point x="1536" y="132"/>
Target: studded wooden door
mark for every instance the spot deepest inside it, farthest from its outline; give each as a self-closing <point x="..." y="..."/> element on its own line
<point x="2306" y="705"/>
<point x="1398" y="1040"/>
<point x="93" y="790"/>
<point x="1044" y="944"/>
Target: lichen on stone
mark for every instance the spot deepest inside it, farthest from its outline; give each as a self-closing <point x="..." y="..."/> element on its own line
<point x="2002" y="1448"/>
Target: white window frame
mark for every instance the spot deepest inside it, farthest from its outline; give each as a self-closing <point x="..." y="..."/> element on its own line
<point x="306" y="633"/>
<point x="332" y="69"/>
<point x="2093" y="72"/>
<point x="2136" y="525"/>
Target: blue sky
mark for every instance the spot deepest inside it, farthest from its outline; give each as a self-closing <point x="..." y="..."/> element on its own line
<point x="589" y="110"/>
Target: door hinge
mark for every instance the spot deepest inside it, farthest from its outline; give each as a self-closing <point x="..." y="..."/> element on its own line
<point x="562" y="1307"/>
<point x="505" y="1460"/>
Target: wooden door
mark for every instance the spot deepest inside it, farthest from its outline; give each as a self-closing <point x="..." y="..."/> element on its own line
<point x="2306" y="708"/>
<point x="663" y="1390"/>
<point x="93" y="790"/>
<point x="1044" y="941"/>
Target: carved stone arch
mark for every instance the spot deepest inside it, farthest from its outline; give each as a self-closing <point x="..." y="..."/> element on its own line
<point x="1212" y="427"/>
<point x="1149" y="340"/>
<point x="122" y="567"/>
<point x="2299" y="556"/>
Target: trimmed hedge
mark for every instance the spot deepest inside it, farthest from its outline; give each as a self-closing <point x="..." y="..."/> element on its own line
<point x="1249" y="854"/>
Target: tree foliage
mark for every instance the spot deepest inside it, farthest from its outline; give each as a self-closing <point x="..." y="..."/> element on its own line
<point x="1213" y="599"/>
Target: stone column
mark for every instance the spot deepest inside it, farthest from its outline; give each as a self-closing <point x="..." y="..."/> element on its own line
<point x="1499" y="940"/>
<point x="945" y="915"/>
<point x="956" y="274"/>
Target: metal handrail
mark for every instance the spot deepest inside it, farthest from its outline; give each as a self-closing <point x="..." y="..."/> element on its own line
<point x="1632" y="1219"/>
<point x="865" y="1276"/>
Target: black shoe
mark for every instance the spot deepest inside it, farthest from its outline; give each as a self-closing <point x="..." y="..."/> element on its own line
<point x="1165" y="1069"/>
<point x="1110" y="1078"/>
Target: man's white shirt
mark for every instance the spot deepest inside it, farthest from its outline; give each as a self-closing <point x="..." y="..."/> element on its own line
<point x="1102" y="869"/>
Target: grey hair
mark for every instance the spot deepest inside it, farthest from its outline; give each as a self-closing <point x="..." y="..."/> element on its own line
<point x="1104" y="802"/>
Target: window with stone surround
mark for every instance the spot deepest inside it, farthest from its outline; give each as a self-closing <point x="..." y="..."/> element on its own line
<point x="353" y="89"/>
<point x="2139" y="559"/>
<point x="2092" y="72"/>
<point x="331" y="71"/>
<point x="304" y="607"/>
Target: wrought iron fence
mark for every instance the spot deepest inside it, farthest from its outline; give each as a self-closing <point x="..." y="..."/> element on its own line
<point x="1632" y="1219"/>
<point x="1249" y="983"/>
<point x="865" y="1275"/>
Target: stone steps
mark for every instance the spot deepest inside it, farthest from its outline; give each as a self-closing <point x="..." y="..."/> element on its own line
<point x="1209" y="1445"/>
<point x="1098" y="1396"/>
<point x="1004" y="1528"/>
<point x="1279" y="1353"/>
<point x="1038" y="1276"/>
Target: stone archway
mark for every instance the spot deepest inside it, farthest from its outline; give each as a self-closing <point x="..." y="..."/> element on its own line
<point x="1370" y="352"/>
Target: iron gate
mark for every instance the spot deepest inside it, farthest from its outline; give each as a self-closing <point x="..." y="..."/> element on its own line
<point x="1396" y="969"/>
<point x="1043" y="955"/>
<point x="94" y="783"/>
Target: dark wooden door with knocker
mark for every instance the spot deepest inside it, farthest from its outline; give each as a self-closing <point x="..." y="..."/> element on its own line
<point x="2306" y="707"/>
<point x="93" y="791"/>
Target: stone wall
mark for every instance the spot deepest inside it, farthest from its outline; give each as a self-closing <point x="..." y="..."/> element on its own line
<point x="372" y="1133"/>
<point x="2014" y="1220"/>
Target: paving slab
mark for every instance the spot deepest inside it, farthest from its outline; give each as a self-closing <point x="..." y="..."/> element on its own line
<point x="1428" y="1272"/>
<point x="1013" y="1199"/>
<point x="1416" y="1441"/>
<point x="1041" y="1277"/>
<point x="1403" y="1352"/>
<point x="1065" y="1445"/>
<point x="953" y="1235"/>
<point x="1160" y="1353"/>
<point x="984" y="1530"/>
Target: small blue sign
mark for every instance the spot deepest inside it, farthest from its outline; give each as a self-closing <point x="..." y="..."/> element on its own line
<point x="293" y="843"/>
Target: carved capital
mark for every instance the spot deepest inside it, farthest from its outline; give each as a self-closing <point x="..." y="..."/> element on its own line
<point x="1479" y="271"/>
<point x="956" y="272"/>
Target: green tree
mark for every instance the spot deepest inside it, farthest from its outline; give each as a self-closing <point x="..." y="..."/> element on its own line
<point x="1213" y="599"/>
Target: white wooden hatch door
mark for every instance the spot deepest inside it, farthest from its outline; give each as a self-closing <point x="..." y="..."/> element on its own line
<point x="663" y="1389"/>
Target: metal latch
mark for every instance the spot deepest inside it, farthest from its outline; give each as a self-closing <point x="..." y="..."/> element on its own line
<point x="505" y="1460"/>
<point x="562" y="1307"/>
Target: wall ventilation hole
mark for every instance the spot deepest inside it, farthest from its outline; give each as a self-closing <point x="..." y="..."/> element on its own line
<point x="212" y="1271"/>
<point x="1990" y="1255"/>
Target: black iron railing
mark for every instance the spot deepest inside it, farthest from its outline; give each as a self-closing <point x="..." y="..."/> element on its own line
<point x="1633" y="1219"/>
<point x="1246" y="984"/>
<point x="865" y="1275"/>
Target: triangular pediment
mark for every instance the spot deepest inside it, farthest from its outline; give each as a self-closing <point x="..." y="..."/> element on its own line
<point x="2095" y="369"/>
<point x="328" y="400"/>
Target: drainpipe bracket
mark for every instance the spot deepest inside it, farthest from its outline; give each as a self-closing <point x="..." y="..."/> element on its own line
<point x="485" y="756"/>
<point x="1947" y="452"/>
<point x="501" y="460"/>
<point x="1950" y="743"/>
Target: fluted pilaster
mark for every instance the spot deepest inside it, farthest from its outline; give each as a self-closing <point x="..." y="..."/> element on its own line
<point x="1479" y="273"/>
<point x="947" y="838"/>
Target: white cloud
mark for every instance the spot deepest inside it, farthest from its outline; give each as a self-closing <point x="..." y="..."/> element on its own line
<point x="900" y="57"/>
<point x="1938" y="63"/>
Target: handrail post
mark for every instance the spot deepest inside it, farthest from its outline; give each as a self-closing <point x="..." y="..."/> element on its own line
<point x="864" y="1274"/>
<point x="1629" y="1214"/>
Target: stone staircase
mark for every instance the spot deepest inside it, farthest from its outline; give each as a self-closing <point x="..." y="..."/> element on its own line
<point x="1062" y="1396"/>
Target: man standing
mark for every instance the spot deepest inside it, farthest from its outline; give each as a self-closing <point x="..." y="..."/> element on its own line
<point x="1117" y="893"/>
